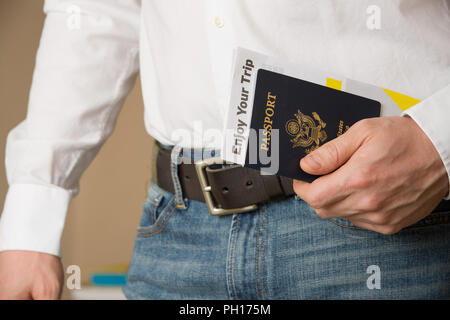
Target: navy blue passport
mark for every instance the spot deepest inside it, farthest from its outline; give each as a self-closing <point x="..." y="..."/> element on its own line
<point x="304" y="115"/>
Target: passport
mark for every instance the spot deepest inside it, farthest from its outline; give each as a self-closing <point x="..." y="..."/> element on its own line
<point x="293" y="117"/>
<point x="279" y="111"/>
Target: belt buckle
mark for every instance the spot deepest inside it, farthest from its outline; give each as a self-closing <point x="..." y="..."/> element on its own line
<point x="200" y="167"/>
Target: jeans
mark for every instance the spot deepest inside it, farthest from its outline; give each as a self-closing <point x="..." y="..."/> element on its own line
<point x="282" y="250"/>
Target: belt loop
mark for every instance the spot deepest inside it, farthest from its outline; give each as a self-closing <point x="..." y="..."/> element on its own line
<point x="175" y="160"/>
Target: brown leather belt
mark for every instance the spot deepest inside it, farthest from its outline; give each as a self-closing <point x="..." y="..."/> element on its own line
<point x="230" y="189"/>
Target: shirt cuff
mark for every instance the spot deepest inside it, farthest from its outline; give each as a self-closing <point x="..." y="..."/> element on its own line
<point x="433" y="117"/>
<point x="33" y="218"/>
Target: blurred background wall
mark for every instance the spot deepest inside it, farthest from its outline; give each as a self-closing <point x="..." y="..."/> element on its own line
<point x="101" y="223"/>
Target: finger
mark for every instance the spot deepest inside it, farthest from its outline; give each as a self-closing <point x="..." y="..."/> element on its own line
<point x="382" y="216"/>
<point x="359" y="205"/>
<point x="325" y="190"/>
<point x="391" y="224"/>
<point x="373" y="218"/>
<point x="333" y="154"/>
<point x="383" y="229"/>
<point x="412" y="214"/>
<point x="300" y="188"/>
<point x="402" y="214"/>
<point x="340" y="208"/>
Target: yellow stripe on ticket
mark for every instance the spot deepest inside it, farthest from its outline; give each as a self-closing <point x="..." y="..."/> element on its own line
<point x="334" y="84"/>
<point x="403" y="101"/>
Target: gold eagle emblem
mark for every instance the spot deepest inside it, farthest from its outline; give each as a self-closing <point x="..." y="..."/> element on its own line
<point x="306" y="131"/>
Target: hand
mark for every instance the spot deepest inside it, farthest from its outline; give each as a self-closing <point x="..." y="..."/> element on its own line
<point x="30" y="275"/>
<point x="383" y="174"/>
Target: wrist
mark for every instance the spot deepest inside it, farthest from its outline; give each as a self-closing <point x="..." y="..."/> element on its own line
<point x="434" y="163"/>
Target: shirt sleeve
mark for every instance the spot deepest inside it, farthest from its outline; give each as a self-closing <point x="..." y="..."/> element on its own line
<point x="86" y="64"/>
<point x="433" y="117"/>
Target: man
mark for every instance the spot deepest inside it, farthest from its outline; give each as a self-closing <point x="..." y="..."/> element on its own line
<point x="383" y="236"/>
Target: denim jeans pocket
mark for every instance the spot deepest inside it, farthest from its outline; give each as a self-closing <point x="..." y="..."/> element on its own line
<point x="156" y="211"/>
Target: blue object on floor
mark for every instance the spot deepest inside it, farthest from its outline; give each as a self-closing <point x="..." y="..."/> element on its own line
<point x="109" y="279"/>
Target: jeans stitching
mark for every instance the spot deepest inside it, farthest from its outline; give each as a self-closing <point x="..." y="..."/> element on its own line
<point x="257" y="252"/>
<point x="262" y="262"/>
<point x="231" y="257"/>
<point x="150" y="228"/>
<point x="166" y="219"/>
<point x="175" y="180"/>
<point x="154" y="211"/>
<point x="344" y="226"/>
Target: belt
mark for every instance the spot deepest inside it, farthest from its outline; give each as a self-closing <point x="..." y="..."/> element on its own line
<point x="226" y="189"/>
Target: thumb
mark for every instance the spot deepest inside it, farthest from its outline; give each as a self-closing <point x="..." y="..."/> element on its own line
<point x="332" y="154"/>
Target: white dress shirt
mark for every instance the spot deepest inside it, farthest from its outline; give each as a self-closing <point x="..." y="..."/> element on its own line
<point x="90" y="53"/>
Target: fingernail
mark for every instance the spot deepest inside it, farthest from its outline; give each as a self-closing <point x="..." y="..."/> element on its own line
<point x="312" y="162"/>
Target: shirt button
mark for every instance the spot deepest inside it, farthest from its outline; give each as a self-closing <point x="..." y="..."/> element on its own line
<point x="219" y="22"/>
